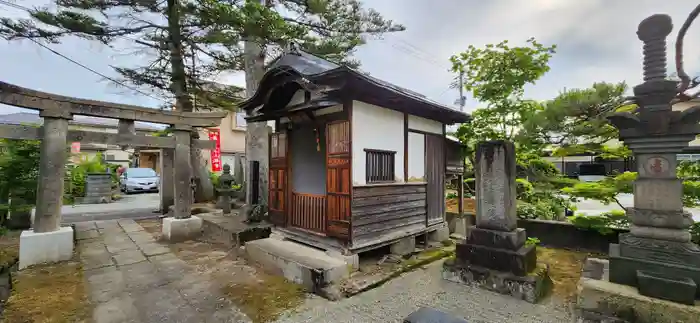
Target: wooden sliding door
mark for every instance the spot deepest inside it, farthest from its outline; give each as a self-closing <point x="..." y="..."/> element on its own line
<point x="278" y="178"/>
<point x="338" y="179"/>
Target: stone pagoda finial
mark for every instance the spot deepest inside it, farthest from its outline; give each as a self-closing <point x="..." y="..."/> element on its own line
<point x="653" y="32"/>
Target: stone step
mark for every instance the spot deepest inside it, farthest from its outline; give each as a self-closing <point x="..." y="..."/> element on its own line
<point x="309" y="267"/>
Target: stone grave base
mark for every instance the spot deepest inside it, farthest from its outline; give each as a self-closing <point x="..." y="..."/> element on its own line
<point x="46" y="247"/>
<point x="599" y="301"/>
<point x="177" y="230"/>
<point x="671" y="274"/>
<point x="531" y="287"/>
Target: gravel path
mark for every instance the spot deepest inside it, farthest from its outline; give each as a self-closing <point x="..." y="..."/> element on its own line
<point x="424" y="287"/>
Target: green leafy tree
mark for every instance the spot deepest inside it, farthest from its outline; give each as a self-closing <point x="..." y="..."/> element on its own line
<point x="19" y="172"/>
<point x="496" y="75"/>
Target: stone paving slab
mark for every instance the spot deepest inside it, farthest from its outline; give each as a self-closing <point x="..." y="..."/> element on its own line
<point x="87" y="234"/>
<point x="132" y="278"/>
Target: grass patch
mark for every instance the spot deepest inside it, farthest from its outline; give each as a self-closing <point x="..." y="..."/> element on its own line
<point x="9" y="248"/>
<point x="266" y="299"/>
<point x="49" y="294"/>
<point x="564" y="270"/>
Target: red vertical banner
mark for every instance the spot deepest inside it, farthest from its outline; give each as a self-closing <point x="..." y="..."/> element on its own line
<point x="216" y="152"/>
<point x="75" y="147"/>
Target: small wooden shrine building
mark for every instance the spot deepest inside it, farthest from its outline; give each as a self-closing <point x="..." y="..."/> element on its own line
<point x="355" y="162"/>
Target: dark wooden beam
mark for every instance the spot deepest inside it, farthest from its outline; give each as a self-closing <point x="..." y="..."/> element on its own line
<point x="405" y="147"/>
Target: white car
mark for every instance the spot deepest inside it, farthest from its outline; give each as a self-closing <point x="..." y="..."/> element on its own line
<point x="139" y="180"/>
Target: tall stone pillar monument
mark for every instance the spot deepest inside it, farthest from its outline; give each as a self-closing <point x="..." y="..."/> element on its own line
<point x="495" y="255"/>
<point x="656" y="256"/>
<point x="657" y="250"/>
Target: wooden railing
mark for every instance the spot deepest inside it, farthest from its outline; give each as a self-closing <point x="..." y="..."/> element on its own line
<point x="308" y="212"/>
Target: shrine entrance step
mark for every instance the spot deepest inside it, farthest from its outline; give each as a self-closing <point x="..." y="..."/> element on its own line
<point x="232" y="231"/>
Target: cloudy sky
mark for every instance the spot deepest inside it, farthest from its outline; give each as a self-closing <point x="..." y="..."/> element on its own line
<point x="596" y="42"/>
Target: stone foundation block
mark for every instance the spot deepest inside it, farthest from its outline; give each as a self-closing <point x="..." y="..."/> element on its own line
<point x="353" y="260"/>
<point x="46" y="247"/>
<point x="309" y="267"/>
<point x="511" y="240"/>
<point x="623" y="270"/>
<point x="518" y="262"/>
<point x="675" y="289"/>
<point x="441" y="234"/>
<point x="531" y="287"/>
<point x="405" y="246"/>
<point x="177" y="230"/>
<point x="603" y="301"/>
<point x="458" y="225"/>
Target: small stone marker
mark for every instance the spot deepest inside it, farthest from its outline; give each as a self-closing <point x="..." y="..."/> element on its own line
<point x="225" y="191"/>
<point x="494" y="255"/>
<point x="431" y="315"/>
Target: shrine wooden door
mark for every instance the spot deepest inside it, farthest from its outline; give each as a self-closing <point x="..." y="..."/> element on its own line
<point x="338" y="179"/>
<point x="277" y="198"/>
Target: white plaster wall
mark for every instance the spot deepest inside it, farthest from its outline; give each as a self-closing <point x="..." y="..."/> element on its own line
<point x="416" y="157"/>
<point x="374" y="127"/>
<point x="423" y="124"/>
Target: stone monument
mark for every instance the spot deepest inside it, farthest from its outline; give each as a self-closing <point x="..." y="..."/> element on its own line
<point x="224" y="190"/>
<point x="494" y="255"/>
<point x="657" y="255"/>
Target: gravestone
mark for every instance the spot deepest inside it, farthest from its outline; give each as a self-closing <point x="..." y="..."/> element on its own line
<point x="494" y="255"/>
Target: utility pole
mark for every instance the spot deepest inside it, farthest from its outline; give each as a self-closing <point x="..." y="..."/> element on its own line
<point x="461" y="89"/>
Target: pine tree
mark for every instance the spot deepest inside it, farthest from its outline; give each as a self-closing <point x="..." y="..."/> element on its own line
<point x="184" y="42"/>
<point x="209" y="34"/>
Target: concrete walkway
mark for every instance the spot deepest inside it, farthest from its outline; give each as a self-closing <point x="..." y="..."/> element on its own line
<point x="132" y="278"/>
<point x="134" y="206"/>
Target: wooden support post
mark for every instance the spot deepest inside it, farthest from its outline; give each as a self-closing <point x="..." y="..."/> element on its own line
<point x="52" y="171"/>
<point x="460" y="195"/>
<point x="167" y="180"/>
<point x="183" y="172"/>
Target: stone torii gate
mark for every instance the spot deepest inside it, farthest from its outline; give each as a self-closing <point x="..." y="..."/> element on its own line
<point x="47" y="241"/>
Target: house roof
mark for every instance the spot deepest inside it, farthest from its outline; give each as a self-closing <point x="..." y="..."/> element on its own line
<point x="34" y="118"/>
<point x="313" y="73"/>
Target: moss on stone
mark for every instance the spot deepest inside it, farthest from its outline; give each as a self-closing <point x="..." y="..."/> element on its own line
<point x="9" y="249"/>
<point x="265" y="300"/>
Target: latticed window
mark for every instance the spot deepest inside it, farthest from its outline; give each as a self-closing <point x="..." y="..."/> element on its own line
<point x="379" y="166"/>
<point x="278" y="145"/>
